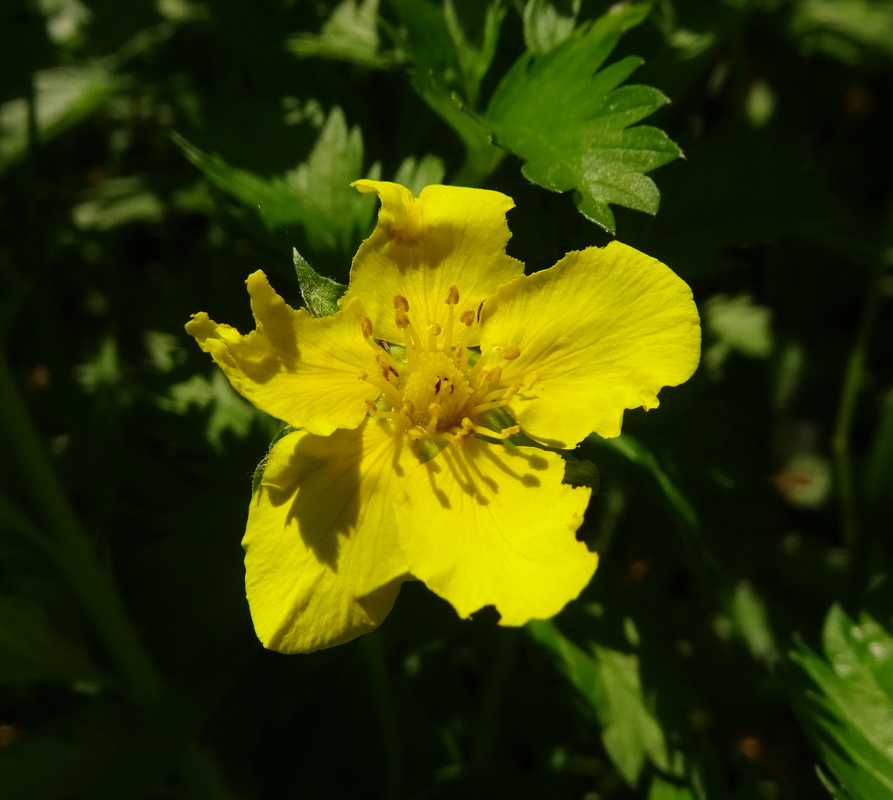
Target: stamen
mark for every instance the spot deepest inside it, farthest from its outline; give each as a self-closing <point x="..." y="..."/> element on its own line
<point x="375" y="412"/>
<point x="385" y="387"/>
<point x="401" y="303"/>
<point x="510" y="353"/>
<point x="503" y="434"/>
<point x="452" y="296"/>
<point x="490" y="401"/>
<point x="436" y="412"/>
<point x="381" y="355"/>
<point x="433" y="332"/>
<point x="531" y="380"/>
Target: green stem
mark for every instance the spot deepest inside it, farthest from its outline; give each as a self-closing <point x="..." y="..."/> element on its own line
<point x="852" y="383"/>
<point x="72" y="551"/>
<point x="393" y="749"/>
<point x="494" y="696"/>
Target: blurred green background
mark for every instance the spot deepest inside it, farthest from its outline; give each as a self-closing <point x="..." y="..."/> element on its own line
<point x="735" y="642"/>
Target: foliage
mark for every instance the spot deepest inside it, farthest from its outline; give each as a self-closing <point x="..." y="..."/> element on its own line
<point x="735" y="641"/>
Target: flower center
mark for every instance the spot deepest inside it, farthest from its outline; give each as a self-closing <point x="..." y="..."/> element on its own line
<point x="439" y="393"/>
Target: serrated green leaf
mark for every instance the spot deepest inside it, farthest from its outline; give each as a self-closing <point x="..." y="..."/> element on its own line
<point x="847" y="706"/>
<point x="349" y="34"/>
<point x="548" y="23"/>
<point x="321" y="294"/>
<point x="448" y="67"/>
<point x="566" y="118"/>
<point x="415" y="175"/>
<point x="316" y="195"/>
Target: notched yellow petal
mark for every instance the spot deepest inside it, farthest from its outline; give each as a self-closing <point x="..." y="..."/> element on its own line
<point x="600" y="332"/>
<point x="322" y="561"/>
<point x="447" y="243"/>
<point x="292" y="360"/>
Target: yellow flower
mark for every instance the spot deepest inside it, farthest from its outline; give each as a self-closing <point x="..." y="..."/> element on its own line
<point x="398" y="468"/>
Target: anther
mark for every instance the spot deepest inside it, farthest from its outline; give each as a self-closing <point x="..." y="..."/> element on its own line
<point x="503" y="434"/>
<point x="452" y="296"/>
<point x="366" y="327"/>
<point x="510" y="353"/>
<point x="531" y="380"/>
<point x="467" y="318"/>
<point x="401" y="303"/>
<point x="400" y="317"/>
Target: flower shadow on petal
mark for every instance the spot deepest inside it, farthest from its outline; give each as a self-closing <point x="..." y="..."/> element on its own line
<point x="323" y="488"/>
<point x="465" y="470"/>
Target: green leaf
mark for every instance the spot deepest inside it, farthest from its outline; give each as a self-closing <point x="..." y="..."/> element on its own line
<point x="847" y="704"/>
<point x="349" y="34"/>
<point x="740" y="324"/>
<point x="316" y="195"/>
<point x="608" y="681"/>
<point x="879" y="473"/>
<point x="320" y="294"/>
<point x="118" y="201"/>
<point x="636" y="453"/>
<point x="447" y="70"/>
<point x="31" y="649"/>
<point x="415" y="175"/>
<point x="548" y="23"/>
<point x="570" y="123"/>
<point x="846" y="29"/>
<point x="440" y="45"/>
<point x="63" y="97"/>
<point x="228" y="413"/>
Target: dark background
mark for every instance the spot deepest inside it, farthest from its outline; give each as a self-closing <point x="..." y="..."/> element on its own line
<point x="731" y="521"/>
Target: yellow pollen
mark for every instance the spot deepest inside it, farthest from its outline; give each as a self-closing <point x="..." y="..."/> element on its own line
<point x="366" y="327"/>
<point x="452" y="296"/>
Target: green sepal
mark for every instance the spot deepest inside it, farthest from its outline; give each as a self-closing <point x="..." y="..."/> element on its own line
<point x="262" y="465"/>
<point x="321" y="294"/>
<point x="580" y="472"/>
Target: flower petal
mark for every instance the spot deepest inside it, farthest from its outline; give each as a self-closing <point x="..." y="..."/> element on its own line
<point x="322" y="560"/>
<point x="422" y="245"/>
<point x="299" y="368"/>
<point x="602" y="331"/>
<point x="486" y="524"/>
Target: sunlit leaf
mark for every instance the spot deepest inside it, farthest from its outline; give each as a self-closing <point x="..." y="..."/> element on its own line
<point x="320" y="294"/>
<point x="847" y="705"/>
<point x="846" y="29"/>
<point x="449" y="57"/>
<point x="548" y="23"/>
<point x="416" y="174"/>
<point x="316" y="195"/>
<point x="349" y="34"/>
<point x="608" y="681"/>
<point x="566" y="118"/>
